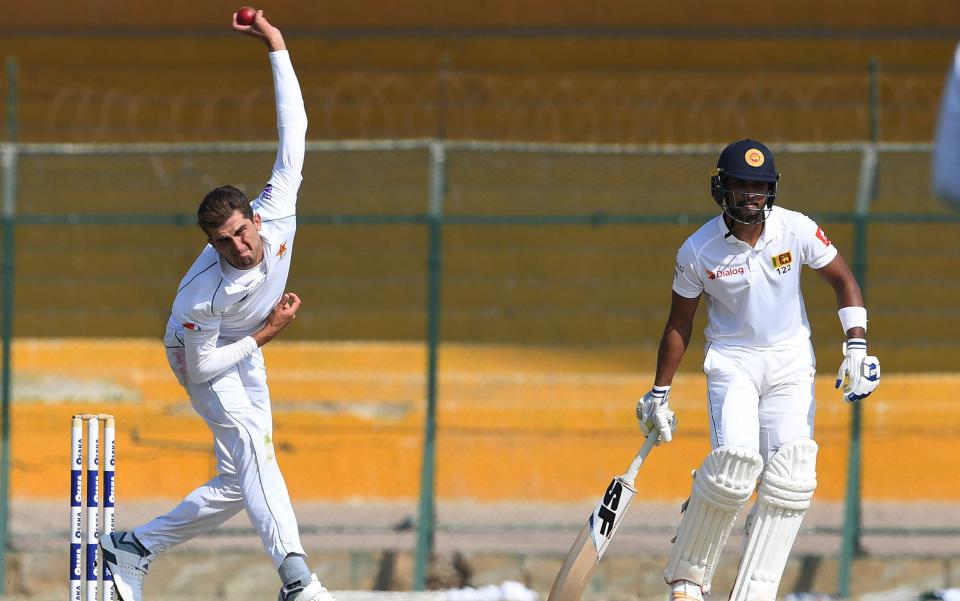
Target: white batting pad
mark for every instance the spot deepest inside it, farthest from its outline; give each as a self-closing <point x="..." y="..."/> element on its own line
<point x="721" y="487"/>
<point x="786" y="487"/>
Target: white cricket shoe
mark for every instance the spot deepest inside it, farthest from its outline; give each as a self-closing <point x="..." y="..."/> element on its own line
<point x="683" y="590"/>
<point x="313" y="591"/>
<point x="128" y="561"/>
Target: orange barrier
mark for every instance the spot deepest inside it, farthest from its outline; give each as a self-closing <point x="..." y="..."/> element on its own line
<point x="513" y="422"/>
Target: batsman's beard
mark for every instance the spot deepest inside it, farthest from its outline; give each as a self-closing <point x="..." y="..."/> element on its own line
<point x="747" y="215"/>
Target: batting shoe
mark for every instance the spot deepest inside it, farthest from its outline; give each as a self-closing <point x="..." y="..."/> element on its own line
<point x="298" y="591"/>
<point x="684" y="590"/>
<point x="128" y="561"/>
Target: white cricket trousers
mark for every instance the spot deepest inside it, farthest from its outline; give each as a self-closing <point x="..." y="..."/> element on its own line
<point x="236" y="407"/>
<point x="760" y="398"/>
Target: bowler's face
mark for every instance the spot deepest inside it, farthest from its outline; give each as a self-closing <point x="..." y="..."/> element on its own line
<point x="238" y="240"/>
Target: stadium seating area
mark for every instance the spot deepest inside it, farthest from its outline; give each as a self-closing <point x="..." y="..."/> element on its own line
<point x="527" y="284"/>
<point x="535" y="71"/>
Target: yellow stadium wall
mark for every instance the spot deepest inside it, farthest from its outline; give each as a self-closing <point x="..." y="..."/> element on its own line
<point x="505" y="431"/>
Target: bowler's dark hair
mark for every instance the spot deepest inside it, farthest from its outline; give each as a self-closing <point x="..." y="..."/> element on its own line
<point x="219" y="205"/>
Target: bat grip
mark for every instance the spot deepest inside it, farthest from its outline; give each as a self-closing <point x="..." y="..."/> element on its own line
<point x="631" y="473"/>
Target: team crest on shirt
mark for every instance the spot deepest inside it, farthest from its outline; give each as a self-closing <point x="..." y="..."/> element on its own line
<point x="782" y="259"/>
<point x="782" y="262"/>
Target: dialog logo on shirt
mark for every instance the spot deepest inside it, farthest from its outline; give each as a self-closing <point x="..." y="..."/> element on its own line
<point x="282" y="250"/>
<point x="724" y="273"/>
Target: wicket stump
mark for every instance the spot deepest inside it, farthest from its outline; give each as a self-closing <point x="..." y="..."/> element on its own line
<point x="77" y="572"/>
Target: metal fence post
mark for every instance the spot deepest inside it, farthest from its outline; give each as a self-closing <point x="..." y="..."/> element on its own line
<point x="9" y="166"/>
<point x="866" y="191"/>
<point x="425" y="521"/>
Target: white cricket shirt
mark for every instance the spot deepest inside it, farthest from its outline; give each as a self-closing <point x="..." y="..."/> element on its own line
<point x="753" y="293"/>
<point x="218" y="305"/>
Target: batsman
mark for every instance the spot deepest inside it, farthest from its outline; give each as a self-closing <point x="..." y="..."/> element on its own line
<point x="760" y="369"/>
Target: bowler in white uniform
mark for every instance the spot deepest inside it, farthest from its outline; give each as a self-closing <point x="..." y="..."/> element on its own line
<point x="760" y="368"/>
<point x="230" y="303"/>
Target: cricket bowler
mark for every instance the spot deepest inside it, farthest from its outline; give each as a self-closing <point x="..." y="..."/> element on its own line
<point x="231" y="302"/>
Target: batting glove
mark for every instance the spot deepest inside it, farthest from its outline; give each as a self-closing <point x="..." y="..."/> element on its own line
<point x="655" y="415"/>
<point x="859" y="373"/>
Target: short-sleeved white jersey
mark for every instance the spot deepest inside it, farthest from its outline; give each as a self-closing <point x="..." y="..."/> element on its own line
<point x="215" y="296"/>
<point x="753" y="293"/>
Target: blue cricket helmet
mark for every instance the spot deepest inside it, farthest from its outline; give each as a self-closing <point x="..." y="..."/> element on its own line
<point x="748" y="160"/>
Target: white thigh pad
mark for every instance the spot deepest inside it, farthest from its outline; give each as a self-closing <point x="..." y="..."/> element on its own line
<point x="786" y="487"/>
<point x="721" y="487"/>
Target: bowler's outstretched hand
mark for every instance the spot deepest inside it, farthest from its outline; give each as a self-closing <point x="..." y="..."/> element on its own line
<point x="262" y="30"/>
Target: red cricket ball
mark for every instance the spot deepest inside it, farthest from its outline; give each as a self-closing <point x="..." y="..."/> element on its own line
<point x="246" y="15"/>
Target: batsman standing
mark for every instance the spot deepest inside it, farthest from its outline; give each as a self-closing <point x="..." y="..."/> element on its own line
<point x="760" y="370"/>
<point x="230" y="303"/>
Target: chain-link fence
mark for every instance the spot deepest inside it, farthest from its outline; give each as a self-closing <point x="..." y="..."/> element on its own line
<point x="543" y="271"/>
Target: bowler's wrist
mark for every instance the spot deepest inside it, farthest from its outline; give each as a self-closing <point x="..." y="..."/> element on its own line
<point x="265" y="334"/>
<point x="274" y="42"/>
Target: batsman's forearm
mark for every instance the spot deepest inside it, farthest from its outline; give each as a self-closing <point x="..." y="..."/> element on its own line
<point x="673" y="345"/>
<point x="849" y="295"/>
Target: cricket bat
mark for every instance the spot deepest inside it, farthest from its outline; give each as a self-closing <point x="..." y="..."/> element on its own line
<point x="592" y="541"/>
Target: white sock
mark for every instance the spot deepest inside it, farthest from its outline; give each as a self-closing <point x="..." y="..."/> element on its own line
<point x="684" y="590"/>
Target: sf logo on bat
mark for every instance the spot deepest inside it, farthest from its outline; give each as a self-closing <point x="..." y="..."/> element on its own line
<point x="606" y="517"/>
<point x="607" y="512"/>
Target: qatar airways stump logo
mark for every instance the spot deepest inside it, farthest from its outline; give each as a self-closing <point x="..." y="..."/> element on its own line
<point x="724" y="273"/>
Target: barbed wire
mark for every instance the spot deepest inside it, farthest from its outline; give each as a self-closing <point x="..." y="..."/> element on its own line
<point x="571" y="107"/>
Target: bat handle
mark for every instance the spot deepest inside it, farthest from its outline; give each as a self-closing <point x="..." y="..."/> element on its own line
<point x="648" y="444"/>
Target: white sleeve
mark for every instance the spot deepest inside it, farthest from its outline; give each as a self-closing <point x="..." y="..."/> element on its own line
<point x="946" y="150"/>
<point x="279" y="198"/>
<point x="205" y="360"/>
<point x="686" y="277"/>
<point x="816" y="248"/>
